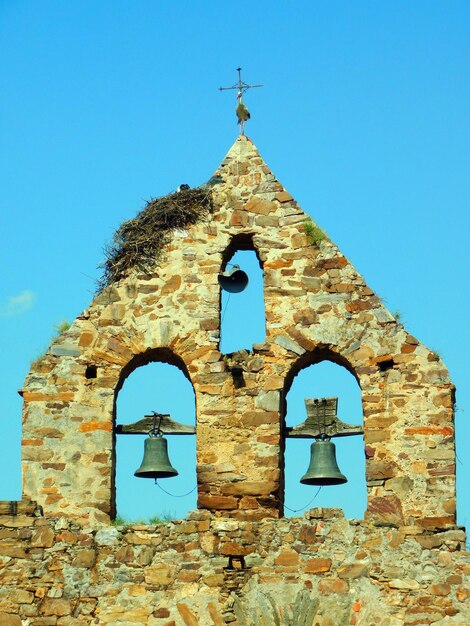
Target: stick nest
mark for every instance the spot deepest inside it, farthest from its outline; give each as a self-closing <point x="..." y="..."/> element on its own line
<point x="138" y="243"/>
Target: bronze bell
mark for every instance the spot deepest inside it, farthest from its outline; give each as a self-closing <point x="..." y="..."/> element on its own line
<point x="323" y="468"/>
<point x="155" y="463"/>
<point x="233" y="280"/>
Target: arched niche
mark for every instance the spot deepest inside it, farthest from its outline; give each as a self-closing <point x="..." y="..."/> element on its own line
<point x="156" y="380"/>
<point x="322" y="374"/>
<point x="242" y="315"/>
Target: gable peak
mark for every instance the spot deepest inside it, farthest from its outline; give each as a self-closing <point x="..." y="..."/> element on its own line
<point x="243" y="160"/>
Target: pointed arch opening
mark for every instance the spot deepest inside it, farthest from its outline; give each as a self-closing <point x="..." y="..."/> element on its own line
<point x="156" y="380"/>
<point x="242" y="315"/>
<point x="320" y="375"/>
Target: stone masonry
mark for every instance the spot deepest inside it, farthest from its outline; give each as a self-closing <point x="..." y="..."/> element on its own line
<point x="237" y="560"/>
<point x="316" y="570"/>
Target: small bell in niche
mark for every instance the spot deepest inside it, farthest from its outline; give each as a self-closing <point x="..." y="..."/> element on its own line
<point x="233" y="280"/>
<point x="155" y="463"/>
<point x="323" y="468"/>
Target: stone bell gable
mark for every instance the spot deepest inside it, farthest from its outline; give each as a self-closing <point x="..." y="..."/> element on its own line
<point x="236" y="560"/>
<point x="317" y="307"/>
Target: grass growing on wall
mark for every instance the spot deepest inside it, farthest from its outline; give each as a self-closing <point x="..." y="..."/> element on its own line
<point x="154" y="520"/>
<point x="314" y="234"/>
<point x="59" y="328"/>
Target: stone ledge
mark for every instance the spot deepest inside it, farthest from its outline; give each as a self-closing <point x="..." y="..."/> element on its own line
<point x="20" y="507"/>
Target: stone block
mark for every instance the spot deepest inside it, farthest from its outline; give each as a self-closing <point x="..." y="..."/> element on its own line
<point x="434" y="523"/>
<point x="187" y="615"/>
<point x="20" y="596"/>
<point x="206" y="501"/>
<point x="55" y="606"/>
<point x="248" y="502"/>
<point x="216" y="616"/>
<point x="328" y="586"/>
<point x="352" y="570"/>
<point x="404" y="583"/>
<point x="260" y="206"/>
<point x="107" y="536"/>
<point x="188" y="576"/>
<point x="266" y="220"/>
<point x="317" y="566"/>
<point x="401" y="485"/>
<point x="289" y="344"/>
<point x="267" y="400"/>
<point x="380" y="470"/>
<point x="172" y="285"/>
<point x="283" y="196"/>
<point x="38" y="396"/>
<point x="86" y="339"/>
<point x="305" y="317"/>
<point x="440" y="589"/>
<point x="43" y="538"/>
<point x="385" y="509"/>
<point x="158" y="574"/>
<point x="125" y="554"/>
<point x="239" y="218"/>
<point x="8" y="534"/>
<point x="65" y="349"/>
<point x="287" y="558"/>
<point x="213" y="580"/>
<point x="308" y="534"/>
<point x="324" y="513"/>
<point x="292" y="220"/>
<point x="257" y="418"/>
<point x="84" y="558"/>
<point x="89" y="427"/>
<point x="250" y="488"/>
<point x="232" y="548"/>
<point x="310" y="283"/>
<point x="8" y="619"/>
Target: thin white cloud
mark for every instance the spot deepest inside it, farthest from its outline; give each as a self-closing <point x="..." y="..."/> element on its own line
<point x="16" y="305"/>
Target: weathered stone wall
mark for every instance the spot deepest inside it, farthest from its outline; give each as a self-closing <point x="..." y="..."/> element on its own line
<point x="234" y="561"/>
<point x="317" y="570"/>
<point x="317" y="307"/>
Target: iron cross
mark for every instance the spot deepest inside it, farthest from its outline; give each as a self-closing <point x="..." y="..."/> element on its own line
<point x="242" y="112"/>
<point x="241" y="85"/>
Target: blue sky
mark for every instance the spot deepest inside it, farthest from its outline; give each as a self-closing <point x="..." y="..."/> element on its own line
<point x="363" y="118"/>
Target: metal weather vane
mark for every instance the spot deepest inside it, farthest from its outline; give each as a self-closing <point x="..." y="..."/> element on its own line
<point x="241" y="111"/>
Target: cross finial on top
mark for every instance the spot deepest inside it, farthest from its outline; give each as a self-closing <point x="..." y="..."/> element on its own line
<point x="242" y="112"/>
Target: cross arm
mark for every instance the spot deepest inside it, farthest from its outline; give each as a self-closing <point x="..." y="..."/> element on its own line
<point x="237" y="86"/>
